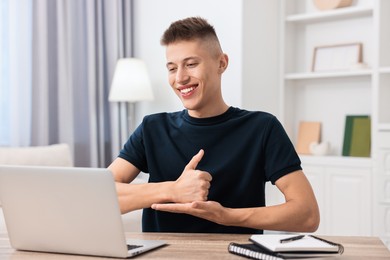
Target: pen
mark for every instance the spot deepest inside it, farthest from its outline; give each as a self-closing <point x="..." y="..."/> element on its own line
<point x="286" y="240"/>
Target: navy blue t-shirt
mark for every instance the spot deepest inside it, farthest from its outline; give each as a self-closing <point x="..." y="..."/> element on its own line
<point x="243" y="150"/>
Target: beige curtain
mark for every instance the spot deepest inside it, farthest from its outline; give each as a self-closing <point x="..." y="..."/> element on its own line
<point x="76" y="44"/>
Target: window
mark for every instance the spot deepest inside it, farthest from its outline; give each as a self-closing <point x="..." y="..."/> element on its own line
<point x="15" y="72"/>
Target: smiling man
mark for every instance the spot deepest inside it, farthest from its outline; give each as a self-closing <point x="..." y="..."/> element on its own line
<point x="208" y="164"/>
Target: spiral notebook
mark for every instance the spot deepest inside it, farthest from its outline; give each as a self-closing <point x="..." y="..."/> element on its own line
<point x="252" y="251"/>
<point x="308" y="243"/>
<point x="271" y="247"/>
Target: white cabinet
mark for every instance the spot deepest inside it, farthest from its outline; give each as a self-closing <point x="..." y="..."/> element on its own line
<point x="382" y="188"/>
<point x="353" y="193"/>
<point x="343" y="191"/>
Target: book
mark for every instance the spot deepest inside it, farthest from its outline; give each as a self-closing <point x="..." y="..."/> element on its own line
<point x="347" y="135"/>
<point x="252" y="251"/>
<point x="361" y="137"/>
<point x="308" y="133"/>
<point x="306" y="244"/>
<point x="357" y="136"/>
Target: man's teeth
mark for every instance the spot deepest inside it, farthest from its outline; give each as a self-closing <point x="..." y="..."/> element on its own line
<point x="186" y="90"/>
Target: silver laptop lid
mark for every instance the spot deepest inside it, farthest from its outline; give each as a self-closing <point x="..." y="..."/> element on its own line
<point x="62" y="209"/>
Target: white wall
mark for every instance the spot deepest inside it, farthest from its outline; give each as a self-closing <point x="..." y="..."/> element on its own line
<point x="260" y="55"/>
<point x="153" y="17"/>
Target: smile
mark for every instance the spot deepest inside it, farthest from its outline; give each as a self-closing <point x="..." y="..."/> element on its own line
<point x="186" y="90"/>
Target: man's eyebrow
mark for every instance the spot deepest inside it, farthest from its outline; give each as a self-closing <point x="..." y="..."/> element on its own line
<point x="184" y="60"/>
<point x="169" y="63"/>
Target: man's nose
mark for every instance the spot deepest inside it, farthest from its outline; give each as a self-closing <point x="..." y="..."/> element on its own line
<point x="181" y="76"/>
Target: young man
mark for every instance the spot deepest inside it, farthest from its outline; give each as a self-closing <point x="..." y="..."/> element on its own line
<point x="209" y="163"/>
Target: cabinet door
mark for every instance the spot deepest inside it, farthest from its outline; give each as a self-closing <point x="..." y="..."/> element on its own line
<point x="344" y="197"/>
<point x="348" y="201"/>
<point x="382" y="191"/>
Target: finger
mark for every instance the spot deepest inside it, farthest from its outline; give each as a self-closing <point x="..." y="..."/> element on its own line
<point x="195" y="160"/>
<point x="209" y="177"/>
<point x="207" y="185"/>
<point x="205" y="175"/>
<point x="172" y="207"/>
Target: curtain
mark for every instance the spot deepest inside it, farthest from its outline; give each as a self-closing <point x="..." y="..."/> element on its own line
<point x="15" y="72"/>
<point x="76" y="44"/>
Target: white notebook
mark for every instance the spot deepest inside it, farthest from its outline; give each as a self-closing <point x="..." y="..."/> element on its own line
<point x="307" y="243"/>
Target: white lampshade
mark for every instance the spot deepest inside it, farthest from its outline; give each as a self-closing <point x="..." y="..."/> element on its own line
<point x="131" y="82"/>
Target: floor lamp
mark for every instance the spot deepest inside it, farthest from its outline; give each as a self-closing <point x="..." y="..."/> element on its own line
<point x="130" y="84"/>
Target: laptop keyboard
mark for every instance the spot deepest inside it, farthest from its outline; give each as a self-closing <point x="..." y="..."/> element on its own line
<point x="129" y="247"/>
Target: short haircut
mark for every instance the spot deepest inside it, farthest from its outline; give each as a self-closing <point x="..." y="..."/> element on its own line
<point x="188" y="29"/>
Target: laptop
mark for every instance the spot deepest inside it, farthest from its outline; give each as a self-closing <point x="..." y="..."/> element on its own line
<point x="66" y="210"/>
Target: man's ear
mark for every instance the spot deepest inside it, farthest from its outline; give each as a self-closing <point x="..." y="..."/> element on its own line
<point x="223" y="63"/>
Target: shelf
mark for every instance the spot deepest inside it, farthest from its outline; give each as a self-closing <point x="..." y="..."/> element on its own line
<point x="384" y="70"/>
<point x="336" y="161"/>
<point x="385" y="203"/>
<point x="384" y="127"/>
<point x="350" y="12"/>
<point x="320" y="75"/>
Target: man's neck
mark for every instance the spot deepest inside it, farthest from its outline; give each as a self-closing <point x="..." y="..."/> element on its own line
<point x="207" y="112"/>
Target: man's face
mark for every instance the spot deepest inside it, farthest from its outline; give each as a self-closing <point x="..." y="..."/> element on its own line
<point x="195" y="75"/>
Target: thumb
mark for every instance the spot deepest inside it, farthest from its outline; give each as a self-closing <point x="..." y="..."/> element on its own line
<point x="195" y="160"/>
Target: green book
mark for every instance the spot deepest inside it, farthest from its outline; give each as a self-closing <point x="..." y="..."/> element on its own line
<point x="348" y="135"/>
<point x="361" y="137"/>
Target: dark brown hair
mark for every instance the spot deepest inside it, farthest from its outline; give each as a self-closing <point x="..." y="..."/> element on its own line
<point x="191" y="28"/>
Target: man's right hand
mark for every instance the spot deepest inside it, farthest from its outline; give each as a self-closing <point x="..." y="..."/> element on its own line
<point x="193" y="184"/>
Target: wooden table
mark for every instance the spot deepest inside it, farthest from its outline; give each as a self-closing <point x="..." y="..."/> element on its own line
<point x="209" y="246"/>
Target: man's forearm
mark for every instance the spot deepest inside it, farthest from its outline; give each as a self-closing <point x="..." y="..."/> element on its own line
<point x="287" y="217"/>
<point x="138" y="196"/>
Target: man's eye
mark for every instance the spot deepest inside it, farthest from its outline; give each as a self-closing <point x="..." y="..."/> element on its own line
<point x="171" y="69"/>
<point x="191" y="65"/>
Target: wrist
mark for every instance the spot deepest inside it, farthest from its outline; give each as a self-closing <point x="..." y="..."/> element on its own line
<point x="238" y="217"/>
<point x="168" y="191"/>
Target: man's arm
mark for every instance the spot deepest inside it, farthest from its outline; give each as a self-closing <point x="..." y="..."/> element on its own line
<point x="135" y="196"/>
<point x="299" y="213"/>
<point x="192" y="185"/>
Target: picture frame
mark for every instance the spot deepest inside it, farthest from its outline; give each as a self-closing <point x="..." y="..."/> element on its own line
<point x="337" y="57"/>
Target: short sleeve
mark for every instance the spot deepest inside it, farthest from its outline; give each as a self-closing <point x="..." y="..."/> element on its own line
<point x="280" y="155"/>
<point x="133" y="150"/>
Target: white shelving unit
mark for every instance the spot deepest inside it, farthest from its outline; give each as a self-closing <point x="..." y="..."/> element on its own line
<point x="311" y="96"/>
<point x="381" y="203"/>
<point x="353" y="193"/>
